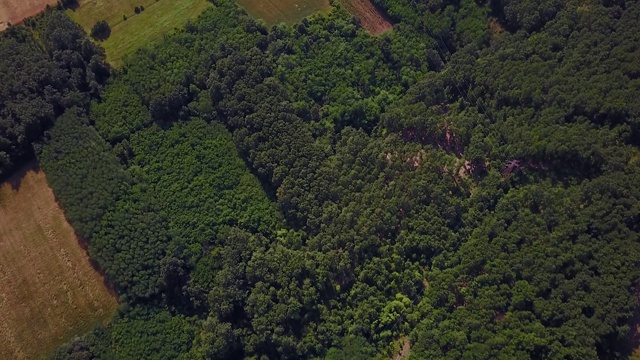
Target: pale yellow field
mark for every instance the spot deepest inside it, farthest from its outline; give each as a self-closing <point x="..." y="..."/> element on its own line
<point x="49" y="292"/>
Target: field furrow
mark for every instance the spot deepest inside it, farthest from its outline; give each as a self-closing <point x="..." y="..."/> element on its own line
<point x="49" y="291"/>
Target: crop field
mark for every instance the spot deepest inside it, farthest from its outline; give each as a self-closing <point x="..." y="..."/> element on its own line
<point x="158" y="18"/>
<point x="287" y="11"/>
<point x="371" y="18"/>
<point x="14" y="11"/>
<point x="49" y="291"/>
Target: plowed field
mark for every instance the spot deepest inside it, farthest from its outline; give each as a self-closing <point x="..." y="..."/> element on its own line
<point x="14" y="11"/>
<point x="49" y="290"/>
<point x="371" y="18"/>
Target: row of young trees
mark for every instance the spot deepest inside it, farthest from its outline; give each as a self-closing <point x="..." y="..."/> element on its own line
<point x="466" y="183"/>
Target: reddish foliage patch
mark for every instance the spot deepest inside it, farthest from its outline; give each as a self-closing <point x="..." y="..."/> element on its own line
<point x="14" y="11"/>
<point x="496" y="28"/>
<point x="371" y="18"/>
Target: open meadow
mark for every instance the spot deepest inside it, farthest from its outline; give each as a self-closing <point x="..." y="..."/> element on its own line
<point x="157" y="19"/>
<point x="287" y="11"/>
<point x="91" y="11"/>
<point x="49" y="291"/>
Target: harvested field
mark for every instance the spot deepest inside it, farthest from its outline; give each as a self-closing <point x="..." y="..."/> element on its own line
<point x="283" y="11"/>
<point x="49" y="291"/>
<point x="14" y="11"/>
<point x="371" y="18"/>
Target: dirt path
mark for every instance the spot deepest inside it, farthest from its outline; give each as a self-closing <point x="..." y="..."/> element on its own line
<point x="405" y="351"/>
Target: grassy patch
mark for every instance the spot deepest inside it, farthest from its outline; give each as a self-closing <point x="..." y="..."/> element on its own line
<point x="287" y="11"/>
<point x="112" y="11"/>
<point x="49" y="291"/>
<point x="157" y="19"/>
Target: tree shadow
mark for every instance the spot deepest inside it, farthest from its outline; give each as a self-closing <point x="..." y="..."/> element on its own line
<point x="84" y="244"/>
<point x="16" y="177"/>
<point x="72" y="5"/>
<point x="624" y="349"/>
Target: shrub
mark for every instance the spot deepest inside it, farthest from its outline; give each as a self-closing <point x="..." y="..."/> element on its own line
<point x="101" y="30"/>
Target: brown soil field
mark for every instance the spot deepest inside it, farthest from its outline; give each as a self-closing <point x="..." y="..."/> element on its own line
<point x="14" y="11"/>
<point x="371" y="18"/>
<point x="49" y="290"/>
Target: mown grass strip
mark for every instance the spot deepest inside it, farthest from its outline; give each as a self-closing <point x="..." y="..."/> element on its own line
<point x="157" y="19"/>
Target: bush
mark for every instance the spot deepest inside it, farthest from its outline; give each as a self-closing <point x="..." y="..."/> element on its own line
<point x="101" y="30"/>
<point x="136" y="10"/>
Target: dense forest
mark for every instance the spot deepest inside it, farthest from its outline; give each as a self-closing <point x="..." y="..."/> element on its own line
<point x="467" y="184"/>
<point x="46" y="67"/>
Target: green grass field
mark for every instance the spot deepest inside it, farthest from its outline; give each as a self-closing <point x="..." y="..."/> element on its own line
<point x="91" y="11"/>
<point x="158" y="19"/>
<point x="287" y="11"/>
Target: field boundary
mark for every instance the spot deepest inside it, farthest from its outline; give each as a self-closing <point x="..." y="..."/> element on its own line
<point x="50" y="290"/>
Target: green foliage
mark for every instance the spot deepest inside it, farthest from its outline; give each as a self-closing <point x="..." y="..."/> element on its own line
<point x="100" y="30"/>
<point x="355" y="348"/>
<point x="131" y="243"/>
<point x="44" y="71"/>
<point x="119" y="113"/>
<point x="304" y="189"/>
<point x="200" y="181"/>
<point x="144" y="334"/>
<point x="215" y="341"/>
<point x="83" y="172"/>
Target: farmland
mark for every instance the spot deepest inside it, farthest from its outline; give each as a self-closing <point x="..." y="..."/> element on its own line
<point x="371" y="18"/>
<point x="157" y="19"/>
<point x="290" y="11"/>
<point x="287" y="11"/>
<point x="14" y="11"/>
<point x="92" y="11"/>
<point x="49" y="291"/>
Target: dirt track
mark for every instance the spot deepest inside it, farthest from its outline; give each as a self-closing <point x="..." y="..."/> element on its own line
<point x="49" y="290"/>
<point x="14" y="11"/>
<point x="371" y="19"/>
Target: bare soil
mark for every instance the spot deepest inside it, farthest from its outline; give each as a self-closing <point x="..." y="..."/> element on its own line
<point x="14" y="11"/>
<point x="371" y="18"/>
<point x="49" y="291"/>
<point x="405" y="351"/>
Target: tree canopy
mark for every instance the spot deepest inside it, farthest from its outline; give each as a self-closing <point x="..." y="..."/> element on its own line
<point x="466" y="184"/>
